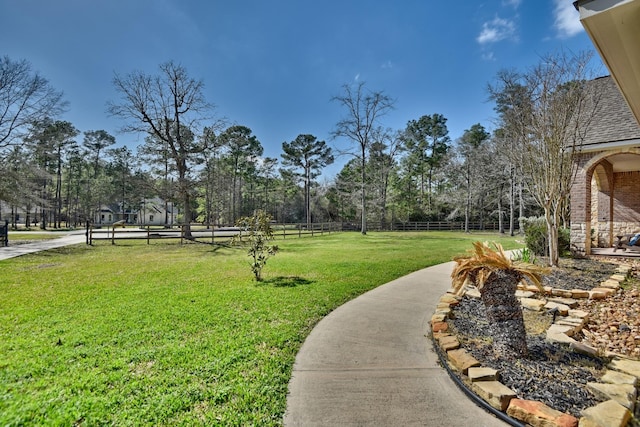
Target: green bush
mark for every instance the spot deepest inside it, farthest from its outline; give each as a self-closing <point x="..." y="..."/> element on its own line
<point x="535" y="236"/>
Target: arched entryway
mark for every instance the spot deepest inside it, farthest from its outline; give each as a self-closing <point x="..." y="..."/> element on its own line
<point x="605" y="198"/>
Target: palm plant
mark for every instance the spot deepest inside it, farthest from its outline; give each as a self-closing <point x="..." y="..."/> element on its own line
<point x="497" y="276"/>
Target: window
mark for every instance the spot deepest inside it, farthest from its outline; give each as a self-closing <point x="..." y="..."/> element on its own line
<point x="150" y="218"/>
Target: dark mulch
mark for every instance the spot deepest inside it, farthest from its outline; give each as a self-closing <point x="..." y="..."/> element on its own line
<point x="580" y="273"/>
<point x="552" y="374"/>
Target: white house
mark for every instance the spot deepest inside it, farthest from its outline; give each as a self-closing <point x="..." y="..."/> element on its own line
<point x="151" y="212"/>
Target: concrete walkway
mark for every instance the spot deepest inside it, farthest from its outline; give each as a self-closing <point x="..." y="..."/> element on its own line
<point x="370" y="363"/>
<point x="71" y="238"/>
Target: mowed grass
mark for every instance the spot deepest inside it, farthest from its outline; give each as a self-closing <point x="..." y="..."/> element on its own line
<point x="169" y="334"/>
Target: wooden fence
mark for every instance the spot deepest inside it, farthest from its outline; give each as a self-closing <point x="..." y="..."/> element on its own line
<point x="199" y="232"/>
<point x="4" y="234"/>
<point x="217" y="234"/>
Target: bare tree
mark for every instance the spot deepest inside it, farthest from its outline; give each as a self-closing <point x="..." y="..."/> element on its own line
<point x="169" y="106"/>
<point x="547" y="111"/>
<point x="25" y="98"/>
<point x="360" y="125"/>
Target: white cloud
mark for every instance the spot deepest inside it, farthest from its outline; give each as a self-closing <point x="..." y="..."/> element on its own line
<point x="357" y="77"/>
<point x="514" y="3"/>
<point x="567" y="19"/>
<point x="387" y="65"/>
<point x="496" y="30"/>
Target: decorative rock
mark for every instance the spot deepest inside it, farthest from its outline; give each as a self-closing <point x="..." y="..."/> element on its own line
<point x="532" y="304"/>
<point x="593" y="294"/>
<point x="439" y="326"/>
<point x="462" y="360"/>
<point x="559" y="337"/>
<point x="607" y="291"/>
<point x="482" y="374"/>
<point x="538" y="414"/>
<point x="563" y="310"/>
<point x="624" y="269"/>
<point x="610" y="284"/>
<point x="569" y="302"/>
<point x="631" y="367"/>
<point x="473" y="293"/>
<point x="609" y="413"/>
<point x="524" y="294"/>
<point x="445" y="311"/>
<point x="570" y="321"/>
<point x="615" y="377"/>
<point x="559" y="329"/>
<point x="579" y="314"/>
<point x="450" y="299"/>
<point x="579" y="293"/>
<point x="438" y="318"/>
<point x="449" y="343"/>
<point x="495" y="393"/>
<point x="581" y="348"/>
<point x="619" y="277"/>
<point x="531" y="288"/>
<point x="624" y="394"/>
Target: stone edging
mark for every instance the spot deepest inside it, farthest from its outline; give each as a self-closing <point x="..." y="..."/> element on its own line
<point x="618" y="383"/>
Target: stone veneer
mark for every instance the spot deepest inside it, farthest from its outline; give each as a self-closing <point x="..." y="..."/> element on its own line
<point x="618" y="384"/>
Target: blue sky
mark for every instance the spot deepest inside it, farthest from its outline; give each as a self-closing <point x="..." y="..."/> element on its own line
<point x="274" y="65"/>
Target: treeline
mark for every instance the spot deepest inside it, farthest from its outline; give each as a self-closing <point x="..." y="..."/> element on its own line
<point x="62" y="175"/>
<point x="215" y="173"/>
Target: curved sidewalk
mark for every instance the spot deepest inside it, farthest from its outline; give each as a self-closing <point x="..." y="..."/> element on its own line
<point x="370" y="363"/>
<point x="43" y="245"/>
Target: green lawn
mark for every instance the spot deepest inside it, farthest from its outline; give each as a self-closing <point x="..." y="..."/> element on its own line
<point x="169" y="334"/>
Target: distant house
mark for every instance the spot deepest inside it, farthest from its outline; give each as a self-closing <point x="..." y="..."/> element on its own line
<point x="157" y="212"/>
<point x="605" y="197"/>
<point x="151" y="212"/>
<point x="108" y="214"/>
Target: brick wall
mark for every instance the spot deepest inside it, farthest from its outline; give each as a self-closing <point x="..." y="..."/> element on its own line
<point x="626" y="202"/>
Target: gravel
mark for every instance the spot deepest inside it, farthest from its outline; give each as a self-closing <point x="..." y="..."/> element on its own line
<point x="553" y="374"/>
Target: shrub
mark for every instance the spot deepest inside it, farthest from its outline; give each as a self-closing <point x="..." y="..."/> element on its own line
<point x="259" y="234"/>
<point x="536" y="236"/>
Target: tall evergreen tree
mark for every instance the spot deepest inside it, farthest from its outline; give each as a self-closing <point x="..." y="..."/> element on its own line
<point x="306" y="156"/>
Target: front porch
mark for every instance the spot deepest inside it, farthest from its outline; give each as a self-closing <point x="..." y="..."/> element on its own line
<point x="609" y="252"/>
<point x="605" y="196"/>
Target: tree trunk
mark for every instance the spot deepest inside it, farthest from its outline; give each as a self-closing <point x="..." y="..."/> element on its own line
<point x="363" y="201"/>
<point x="505" y="314"/>
<point x="551" y="218"/>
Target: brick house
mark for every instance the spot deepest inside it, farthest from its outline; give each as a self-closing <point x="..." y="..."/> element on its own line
<point x="605" y="197"/>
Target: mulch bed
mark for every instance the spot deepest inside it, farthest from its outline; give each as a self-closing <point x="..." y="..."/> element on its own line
<point x="552" y="374"/>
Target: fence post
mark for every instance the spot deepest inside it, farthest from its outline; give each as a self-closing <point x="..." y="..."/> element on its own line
<point x="113" y="234"/>
<point x="4" y="233"/>
<point x="148" y="233"/>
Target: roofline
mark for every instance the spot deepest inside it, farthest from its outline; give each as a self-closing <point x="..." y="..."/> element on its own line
<point x="605" y="146"/>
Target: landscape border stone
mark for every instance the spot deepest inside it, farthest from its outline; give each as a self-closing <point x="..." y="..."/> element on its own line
<point x="618" y="384"/>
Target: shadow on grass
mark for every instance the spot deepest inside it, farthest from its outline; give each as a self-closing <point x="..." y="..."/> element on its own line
<point x="286" y="281"/>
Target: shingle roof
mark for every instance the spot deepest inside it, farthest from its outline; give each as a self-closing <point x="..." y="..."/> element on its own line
<point x="613" y="121"/>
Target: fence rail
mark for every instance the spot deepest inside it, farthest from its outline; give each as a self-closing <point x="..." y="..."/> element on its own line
<point x="218" y="234"/>
<point x="198" y="232"/>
